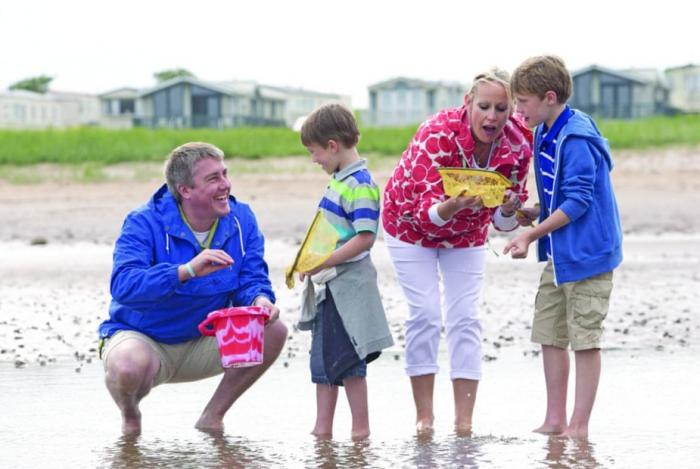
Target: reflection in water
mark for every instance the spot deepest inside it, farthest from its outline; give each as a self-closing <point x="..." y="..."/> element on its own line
<point x="422" y="450"/>
<point x="565" y="453"/>
<point x="237" y="452"/>
<point x="214" y="450"/>
<point x="456" y="451"/>
<point x="465" y="451"/>
<point x="331" y="454"/>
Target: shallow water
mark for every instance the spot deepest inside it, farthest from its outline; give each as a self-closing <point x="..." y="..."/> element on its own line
<point x="645" y="416"/>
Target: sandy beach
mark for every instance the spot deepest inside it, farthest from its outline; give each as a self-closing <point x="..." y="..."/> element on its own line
<point x="56" y="240"/>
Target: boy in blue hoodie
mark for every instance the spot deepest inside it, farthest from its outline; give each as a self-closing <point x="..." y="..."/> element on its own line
<point x="193" y="248"/>
<point x="578" y="235"/>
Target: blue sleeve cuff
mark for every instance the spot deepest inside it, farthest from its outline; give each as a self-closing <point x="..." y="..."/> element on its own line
<point x="573" y="209"/>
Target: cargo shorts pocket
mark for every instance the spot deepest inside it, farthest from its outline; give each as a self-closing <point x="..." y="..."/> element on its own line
<point x="590" y="301"/>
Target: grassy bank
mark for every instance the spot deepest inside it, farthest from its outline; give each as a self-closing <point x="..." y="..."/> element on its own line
<point x="104" y="147"/>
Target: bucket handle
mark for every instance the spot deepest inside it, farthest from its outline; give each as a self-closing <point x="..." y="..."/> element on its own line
<point x="204" y="328"/>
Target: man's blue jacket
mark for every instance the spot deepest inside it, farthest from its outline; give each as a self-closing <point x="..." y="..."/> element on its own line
<point x="146" y="294"/>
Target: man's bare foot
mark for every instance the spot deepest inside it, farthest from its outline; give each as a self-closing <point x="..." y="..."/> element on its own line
<point x="550" y="429"/>
<point x="209" y="424"/>
<point x="131" y="422"/>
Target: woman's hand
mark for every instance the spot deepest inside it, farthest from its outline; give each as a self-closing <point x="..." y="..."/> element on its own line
<point x="448" y="208"/>
<point x="511" y="204"/>
<point x="473" y="202"/>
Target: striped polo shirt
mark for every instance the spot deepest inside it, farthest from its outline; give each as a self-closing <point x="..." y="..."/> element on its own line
<point x="351" y="202"/>
<point x="545" y="155"/>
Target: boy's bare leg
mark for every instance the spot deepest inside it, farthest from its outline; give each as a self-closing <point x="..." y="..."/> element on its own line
<point x="422" y="387"/>
<point x="587" y="379"/>
<point x="131" y="368"/>
<point x="465" y="397"/>
<point x="326" y="399"/>
<point x="237" y="380"/>
<point x="556" y="376"/>
<point x="356" y="391"/>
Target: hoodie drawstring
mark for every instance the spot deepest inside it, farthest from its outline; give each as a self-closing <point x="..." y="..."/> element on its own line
<point x="240" y="235"/>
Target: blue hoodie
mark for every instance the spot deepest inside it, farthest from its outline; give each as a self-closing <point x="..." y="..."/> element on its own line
<point x="591" y="243"/>
<point x="146" y="294"/>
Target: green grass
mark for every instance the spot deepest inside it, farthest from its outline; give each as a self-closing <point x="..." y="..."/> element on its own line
<point x="95" y="147"/>
<point x="652" y="132"/>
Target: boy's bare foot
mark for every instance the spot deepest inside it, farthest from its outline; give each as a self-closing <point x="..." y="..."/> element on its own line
<point x="550" y="429"/>
<point x="424" y="426"/>
<point x="577" y="433"/>
<point x="359" y="435"/>
<point x="322" y="435"/>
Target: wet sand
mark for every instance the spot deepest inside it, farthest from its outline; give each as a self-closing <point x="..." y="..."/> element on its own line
<point x="55" y="252"/>
<point x="56" y="240"/>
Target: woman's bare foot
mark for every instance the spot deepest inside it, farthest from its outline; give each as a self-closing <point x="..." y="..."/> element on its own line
<point x="463" y="429"/>
<point x="550" y="429"/>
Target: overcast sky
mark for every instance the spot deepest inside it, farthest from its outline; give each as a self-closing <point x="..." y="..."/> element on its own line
<point x="334" y="46"/>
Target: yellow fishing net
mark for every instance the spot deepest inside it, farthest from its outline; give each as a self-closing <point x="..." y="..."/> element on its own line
<point x="489" y="185"/>
<point x="318" y="245"/>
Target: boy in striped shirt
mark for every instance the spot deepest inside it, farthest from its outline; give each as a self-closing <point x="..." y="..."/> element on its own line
<point x="349" y="327"/>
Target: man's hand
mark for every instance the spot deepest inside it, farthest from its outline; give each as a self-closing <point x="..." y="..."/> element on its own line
<point x="518" y="246"/>
<point x="274" y="310"/>
<point x="210" y="260"/>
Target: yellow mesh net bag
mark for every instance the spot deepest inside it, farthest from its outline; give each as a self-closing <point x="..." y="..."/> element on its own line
<point x="318" y="245"/>
<point x="489" y="185"/>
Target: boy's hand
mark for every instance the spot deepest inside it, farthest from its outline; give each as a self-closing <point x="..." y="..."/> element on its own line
<point x="527" y="215"/>
<point x="518" y="246"/>
<point x="309" y="273"/>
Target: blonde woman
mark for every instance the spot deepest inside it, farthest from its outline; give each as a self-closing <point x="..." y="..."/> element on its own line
<point x="432" y="237"/>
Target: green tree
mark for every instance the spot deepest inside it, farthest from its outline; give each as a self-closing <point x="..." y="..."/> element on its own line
<point x="38" y="84"/>
<point x="166" y="75"/>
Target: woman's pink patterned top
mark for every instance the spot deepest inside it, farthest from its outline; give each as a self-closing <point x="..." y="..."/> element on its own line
<point x="445" y="140"/>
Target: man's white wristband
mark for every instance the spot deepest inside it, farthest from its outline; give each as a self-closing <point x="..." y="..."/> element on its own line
<point x="190" y="270"/>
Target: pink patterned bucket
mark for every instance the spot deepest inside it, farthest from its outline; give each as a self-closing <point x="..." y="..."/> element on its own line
<point x="239" y="332"/>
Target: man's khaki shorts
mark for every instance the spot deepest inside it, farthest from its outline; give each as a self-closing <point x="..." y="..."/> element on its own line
<point x="188" y="361"/>
<point x="571" y="312"/>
